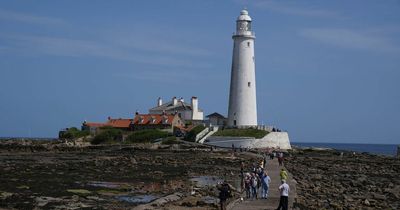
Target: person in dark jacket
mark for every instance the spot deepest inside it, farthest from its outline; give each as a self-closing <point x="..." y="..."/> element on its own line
<point x="224" y="194"/>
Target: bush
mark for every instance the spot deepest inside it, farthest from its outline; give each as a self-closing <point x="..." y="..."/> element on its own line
<point x="170" y="140"/>
<point x="73" y="133"/>
<point x="109" y="135"/>
<point x="191" y="135"/>
<point x="248" y="132"/>
<point x="145" y="136"/>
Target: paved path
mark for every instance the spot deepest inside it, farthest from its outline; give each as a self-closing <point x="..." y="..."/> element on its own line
<point x="272" y="202"/>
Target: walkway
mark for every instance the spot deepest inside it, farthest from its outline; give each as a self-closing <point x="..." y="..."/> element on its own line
<point x="273" y="196"/>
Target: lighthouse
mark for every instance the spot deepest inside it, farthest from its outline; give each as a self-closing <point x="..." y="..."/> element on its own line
<point x="242" y="111"/>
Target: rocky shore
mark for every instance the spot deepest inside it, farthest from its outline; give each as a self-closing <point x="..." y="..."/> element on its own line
<point x="55" y="175"/>
<point x="326" y="179"/>
<point x="65" y="175"/>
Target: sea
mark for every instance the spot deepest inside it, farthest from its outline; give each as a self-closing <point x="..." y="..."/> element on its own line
<point x="378" y="149"/>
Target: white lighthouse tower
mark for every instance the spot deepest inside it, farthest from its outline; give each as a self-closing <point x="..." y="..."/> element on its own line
<point x="242" y="109"/>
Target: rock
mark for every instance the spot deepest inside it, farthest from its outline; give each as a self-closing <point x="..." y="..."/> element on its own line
<point x="378" y="196"/>
<point x="5" y="195"/>
<point x="95" y="198"/>
<point x="43" y="201"/>
<point x="366" y="202"/>
<point x="79" y="191"/>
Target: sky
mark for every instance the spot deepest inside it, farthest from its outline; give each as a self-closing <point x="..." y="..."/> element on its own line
<point x="326" y="71"/>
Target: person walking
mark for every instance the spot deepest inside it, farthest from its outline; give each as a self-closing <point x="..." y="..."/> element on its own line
<point x="265" y="180"/>
<point x="242" y="174"/>
<point x="247" y="185"/>
<point x="283" y="174"/>
<point x="254" y="183"/>
<point x="224" y="194"/>
<point x="280" y="158"/>
<point x="284" y="192"/>
<point x="265" y="160"/>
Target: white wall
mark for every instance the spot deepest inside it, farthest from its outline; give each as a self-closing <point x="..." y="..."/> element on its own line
<point x="273" y="139"/>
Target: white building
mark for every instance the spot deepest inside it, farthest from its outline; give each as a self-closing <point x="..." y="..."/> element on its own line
<point x="187" y="112"/>
<point x="242" y="109"/>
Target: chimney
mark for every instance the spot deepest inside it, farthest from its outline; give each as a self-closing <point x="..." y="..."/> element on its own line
<point x="195" y="104"/>
<point x="174" y="101"/>
<point x="159" y="101"/>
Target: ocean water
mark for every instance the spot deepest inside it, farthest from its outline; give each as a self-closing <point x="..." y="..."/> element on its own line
<point x="379" y="149"/>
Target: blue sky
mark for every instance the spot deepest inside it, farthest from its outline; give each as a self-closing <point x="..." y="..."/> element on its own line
<point x="327" y="71"/>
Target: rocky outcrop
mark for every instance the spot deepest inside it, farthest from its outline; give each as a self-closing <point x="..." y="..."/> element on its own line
<point x="328" y="180"/>
<point x="52" y="175"/>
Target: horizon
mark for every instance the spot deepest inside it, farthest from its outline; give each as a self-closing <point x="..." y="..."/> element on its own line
<point x="324" y="70"/>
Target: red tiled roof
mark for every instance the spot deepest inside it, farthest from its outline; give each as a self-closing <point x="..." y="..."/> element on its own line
<point x="115" y="123"/>
<point x="153" y="119"/>
<point x="119" y="123"/>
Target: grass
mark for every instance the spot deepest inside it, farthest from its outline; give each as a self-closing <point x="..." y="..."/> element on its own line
<point x="170" y="140"/>
<point x="191" y="135"/>
<point x="108" y="136"/>
<point x="248" y="132"/>
<point x="145" y="136"/>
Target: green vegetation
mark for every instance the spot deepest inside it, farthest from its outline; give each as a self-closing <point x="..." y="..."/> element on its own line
<point x="248" y="132"/>
<point x="73" y="133"/>
<point x="107" y="135"/>
<point x="170" y="140"/>
<point x="191" y="135"/>
<point x="145" y="136"/>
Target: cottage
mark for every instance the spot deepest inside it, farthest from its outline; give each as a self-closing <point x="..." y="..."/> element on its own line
<point x="187" y="112"/>
<point x="217" y="119"/>
<point x="122" y="124"/>
<point x="156" y="121"/>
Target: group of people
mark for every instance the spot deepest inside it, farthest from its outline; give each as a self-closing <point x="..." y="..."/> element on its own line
<point x="279" y="155"/>
<point x="256" y="183"/>
<point x="259" y="179"/>
<point x="255" y="180"/>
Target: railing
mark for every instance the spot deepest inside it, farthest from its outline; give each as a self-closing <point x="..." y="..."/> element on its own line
<point x="201" y="134"/>
<point x="246" y="33"/>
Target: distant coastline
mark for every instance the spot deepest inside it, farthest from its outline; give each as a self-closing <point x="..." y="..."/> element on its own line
<point x="377" y="149"/>
<point x="29" y="138"/>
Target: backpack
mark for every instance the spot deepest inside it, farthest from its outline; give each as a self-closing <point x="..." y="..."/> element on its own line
<point x="254" y="181"/>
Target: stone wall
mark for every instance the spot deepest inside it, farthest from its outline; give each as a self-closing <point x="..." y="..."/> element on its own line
<point x="273" y="139"/>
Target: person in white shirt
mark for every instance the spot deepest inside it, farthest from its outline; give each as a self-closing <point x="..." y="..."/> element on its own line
<point x="284" y="191"/>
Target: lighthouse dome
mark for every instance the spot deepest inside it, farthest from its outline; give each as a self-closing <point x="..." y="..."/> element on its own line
<point x="244" y="15"/>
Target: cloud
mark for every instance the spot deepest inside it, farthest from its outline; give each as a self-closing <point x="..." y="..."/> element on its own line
<point x="351" y="39"/>
<point x="165" y="47"/>
<point x="26" y="18"/>
<point x="293" y="9"/>
<point x="83" y="48"/>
